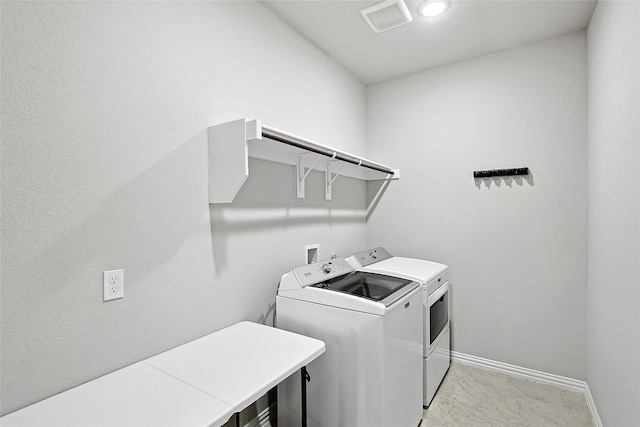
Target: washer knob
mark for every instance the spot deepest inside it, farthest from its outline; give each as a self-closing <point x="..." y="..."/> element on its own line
<point x="326" y="268"/>
<point x="374" y="254"/>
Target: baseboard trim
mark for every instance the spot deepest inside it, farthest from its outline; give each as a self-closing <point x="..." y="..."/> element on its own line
<point x="592" y="407"/>
<point x="532" y="375"/>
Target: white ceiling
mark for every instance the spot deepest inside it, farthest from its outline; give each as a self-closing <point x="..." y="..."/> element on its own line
<point x="469" y="28"/>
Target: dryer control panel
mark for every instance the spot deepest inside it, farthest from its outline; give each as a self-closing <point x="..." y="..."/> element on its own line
<point x="371" y="256"/>
<point x="311" y="274"/>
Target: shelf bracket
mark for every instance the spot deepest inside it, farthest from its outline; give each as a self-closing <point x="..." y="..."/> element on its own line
<point x="329" y="180"/>
<point x="302" y="174"/>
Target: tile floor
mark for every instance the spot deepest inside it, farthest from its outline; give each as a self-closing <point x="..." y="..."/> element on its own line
<point x="474" y="397"/>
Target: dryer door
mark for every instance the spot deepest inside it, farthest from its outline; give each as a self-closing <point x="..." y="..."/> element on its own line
<point x="438" y="312"/>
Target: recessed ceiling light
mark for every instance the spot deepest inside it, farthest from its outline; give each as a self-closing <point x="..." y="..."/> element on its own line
<point x="432" y="8"/>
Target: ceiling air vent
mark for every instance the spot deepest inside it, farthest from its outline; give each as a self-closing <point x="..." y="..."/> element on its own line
<point x="386" y="15"/>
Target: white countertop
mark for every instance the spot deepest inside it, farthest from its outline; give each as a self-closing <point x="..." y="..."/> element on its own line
<point x="240" y="363"/>
<point x="201" y="383"/>
<point x="138" y="395"/>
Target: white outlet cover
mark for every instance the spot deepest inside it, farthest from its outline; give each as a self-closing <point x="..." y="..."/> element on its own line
<point x="113" y="284"/>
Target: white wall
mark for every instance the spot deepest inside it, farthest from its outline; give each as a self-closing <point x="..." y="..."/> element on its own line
<point x="516" y="247"/>
<point x="105" y="107"/>
<point x="613" y="357"/>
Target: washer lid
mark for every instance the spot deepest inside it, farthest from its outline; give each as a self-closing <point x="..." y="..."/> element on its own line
<point x="373" y="286"/>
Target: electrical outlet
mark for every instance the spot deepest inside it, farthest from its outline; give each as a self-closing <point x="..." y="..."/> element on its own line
<point x="113" y="282"/>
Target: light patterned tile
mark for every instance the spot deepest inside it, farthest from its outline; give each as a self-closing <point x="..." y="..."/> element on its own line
<point x="474" y="397"/>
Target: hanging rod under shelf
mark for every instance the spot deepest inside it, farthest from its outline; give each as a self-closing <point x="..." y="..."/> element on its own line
<point x="327" y="152"/>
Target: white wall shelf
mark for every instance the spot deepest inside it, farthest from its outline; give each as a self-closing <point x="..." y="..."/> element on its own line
<point x="232" y="143"/>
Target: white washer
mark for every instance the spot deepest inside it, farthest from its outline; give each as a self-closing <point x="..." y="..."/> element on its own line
<point x="372" y="328"/>
<point x="435" y="280"/>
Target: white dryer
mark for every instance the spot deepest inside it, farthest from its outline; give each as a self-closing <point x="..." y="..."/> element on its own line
<point x="372" y="328"/>
<point x="435" y="280"/>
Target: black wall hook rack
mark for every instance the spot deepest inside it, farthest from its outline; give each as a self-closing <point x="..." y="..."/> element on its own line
<point x="500" y="172"/>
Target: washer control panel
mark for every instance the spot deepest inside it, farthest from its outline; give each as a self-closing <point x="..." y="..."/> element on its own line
<point x="311" y="274"/>
<point x="371" y="256"/>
